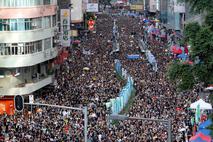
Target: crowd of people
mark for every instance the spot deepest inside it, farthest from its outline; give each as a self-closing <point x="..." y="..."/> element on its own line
<point x="88" y="79"/>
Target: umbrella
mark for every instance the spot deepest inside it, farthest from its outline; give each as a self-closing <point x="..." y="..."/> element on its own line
<point x="176" y="50"/>
<point x="86" y="68"/>
<point x="205" y="124"/>
<point x="206" y="132"/>
<point x="202" y="103"/>
<point x="76" y="41"/>
<point x="209" y="88"/>
<point x="201" y="137"/>
<point x="39" y="110"/>
<point x="146" y="21"/>
<point x="199" y="140"/>
<point x="182" y="56"/>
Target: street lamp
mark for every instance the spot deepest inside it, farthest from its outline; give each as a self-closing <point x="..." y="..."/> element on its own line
<point x="124" y="117"/>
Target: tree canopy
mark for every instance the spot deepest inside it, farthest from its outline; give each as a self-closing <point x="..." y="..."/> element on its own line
<point x="200" y="39"/>
<point x="200" y="5"/>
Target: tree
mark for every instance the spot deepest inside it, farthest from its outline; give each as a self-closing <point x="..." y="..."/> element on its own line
<point x="200" y="39"/>
<point x="186" y="75"/>
<point x="190" y="30"/>
<point x="200" y="5"/>
<point x="209" y="19"/>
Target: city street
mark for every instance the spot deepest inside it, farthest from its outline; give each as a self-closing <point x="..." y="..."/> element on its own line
<point x="90" y="80"/>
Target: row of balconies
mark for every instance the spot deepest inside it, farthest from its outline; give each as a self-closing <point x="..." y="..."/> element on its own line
<point x="26" y="88"/>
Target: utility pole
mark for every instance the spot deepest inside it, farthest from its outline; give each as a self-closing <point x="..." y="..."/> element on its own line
<point x="84" y="110"/>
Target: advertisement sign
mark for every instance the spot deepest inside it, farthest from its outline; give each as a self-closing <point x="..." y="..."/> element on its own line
<point x="7" y="106"/>
<point x="136" y="7"/>
<point x="91" y="25"/>
<point x="65" y="27"/>
<point x="92" y="7"/>
<point x="77" y="11"/>
<point x="74" y="33"/>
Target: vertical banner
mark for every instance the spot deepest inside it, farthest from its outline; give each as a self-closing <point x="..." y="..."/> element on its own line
<point x="77" y="11"/>
<point x="65" y="27"/>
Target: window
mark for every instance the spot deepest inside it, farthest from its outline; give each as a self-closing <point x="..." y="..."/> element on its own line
<point x="54" y="21"/>
<point x="1" y="25"/>
<point x="21" y="48"/>
<point x="13" y="25"/>
<point x="47" y="43"/>
<point x="47" y="22"/>
<point x="24" y="24"/>
<point x="47" y="2"/>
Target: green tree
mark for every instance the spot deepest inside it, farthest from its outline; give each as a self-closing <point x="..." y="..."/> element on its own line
<point x="209" y="19"/>
<point x="185" y="75"/>
<point x="199" y="5"/>
<point x="190" y="30"/>
<point x="200" y="39"/>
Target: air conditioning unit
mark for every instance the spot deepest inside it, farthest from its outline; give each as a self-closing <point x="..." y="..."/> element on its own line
<point x="34" y="24"/>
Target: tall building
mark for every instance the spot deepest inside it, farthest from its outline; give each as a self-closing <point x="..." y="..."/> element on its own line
<point x="172" y="14"/>
<point x="28" y="45"/>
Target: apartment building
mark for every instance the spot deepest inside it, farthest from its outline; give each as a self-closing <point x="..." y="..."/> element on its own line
<point x="28" y="45"/>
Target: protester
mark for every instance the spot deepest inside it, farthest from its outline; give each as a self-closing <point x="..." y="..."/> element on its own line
<point x="88" y="79"/>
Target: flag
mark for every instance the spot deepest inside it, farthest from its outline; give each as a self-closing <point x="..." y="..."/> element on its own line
<point x="197" y="114"/>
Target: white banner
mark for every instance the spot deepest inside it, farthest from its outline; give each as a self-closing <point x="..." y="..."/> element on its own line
<point x="77" y="11"/>
<point x="92" y="7"/>
<point x="65" y="27"/>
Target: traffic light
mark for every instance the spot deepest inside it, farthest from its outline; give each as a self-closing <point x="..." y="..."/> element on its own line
<point x="19" y="103"/>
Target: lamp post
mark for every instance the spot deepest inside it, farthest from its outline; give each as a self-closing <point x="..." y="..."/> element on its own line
<point x="71" y="46"/>
<point x="123" y="117"/>
<point x="84" y="110"/>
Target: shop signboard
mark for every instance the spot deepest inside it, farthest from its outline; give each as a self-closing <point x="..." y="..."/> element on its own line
<point x="92" y="7"/>
<point x="65" y="27"/>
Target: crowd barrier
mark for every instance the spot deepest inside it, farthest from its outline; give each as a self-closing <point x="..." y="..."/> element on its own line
<point x="116" y="105"/>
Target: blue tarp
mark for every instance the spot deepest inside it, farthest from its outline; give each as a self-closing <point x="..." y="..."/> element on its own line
<point x="205" y="124"/>
<point x="182" y="56"/>
<point x="133" y="57"/>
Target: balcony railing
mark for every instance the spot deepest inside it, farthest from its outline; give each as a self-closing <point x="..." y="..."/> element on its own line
<point x="27" y="88"/>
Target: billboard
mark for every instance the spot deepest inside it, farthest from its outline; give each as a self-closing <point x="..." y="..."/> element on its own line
<point x="137" y="7"/>
<point x="77" y="11"/>
<point x="92" y="7"/>
<point x="65" y="27"/>
<point x="7" y="106"/>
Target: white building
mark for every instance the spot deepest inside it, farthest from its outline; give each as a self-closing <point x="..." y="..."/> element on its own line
<point x="28" y="45"/>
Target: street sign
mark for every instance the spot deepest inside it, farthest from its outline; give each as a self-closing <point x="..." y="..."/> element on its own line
<point x="31" y="99"/>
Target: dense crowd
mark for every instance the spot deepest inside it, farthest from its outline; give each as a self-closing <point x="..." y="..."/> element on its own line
<point x="89" y="80"/>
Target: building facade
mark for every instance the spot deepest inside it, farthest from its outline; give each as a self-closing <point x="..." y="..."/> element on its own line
<point x="28" y="45"/>
<point x="172" y="14"/>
